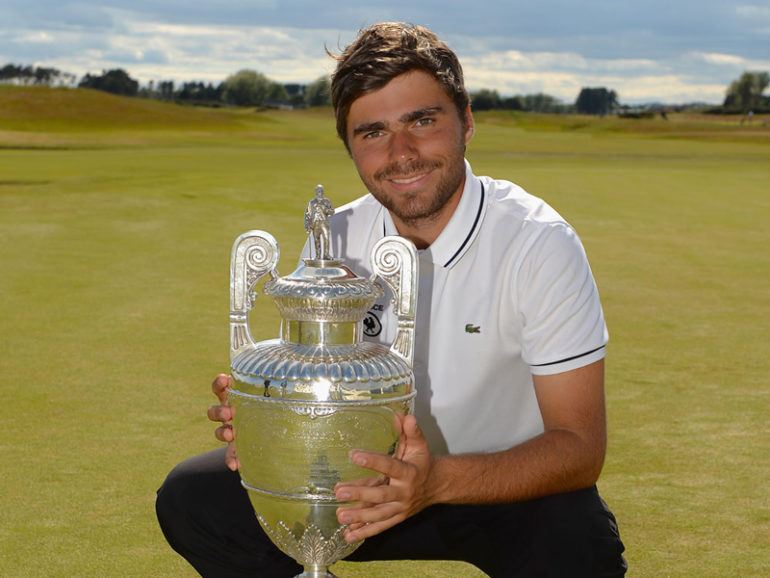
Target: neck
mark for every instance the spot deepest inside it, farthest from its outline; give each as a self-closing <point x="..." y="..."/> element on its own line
<point x="421" y="232"/>
<point x="424" y="231"/>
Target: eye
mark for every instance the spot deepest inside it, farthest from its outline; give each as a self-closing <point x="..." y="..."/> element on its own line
<point x="373" y="134"/>
<point x="425" y="121"/>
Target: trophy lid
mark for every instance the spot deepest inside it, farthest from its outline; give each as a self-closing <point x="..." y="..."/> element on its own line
<point x="322" y="288"/>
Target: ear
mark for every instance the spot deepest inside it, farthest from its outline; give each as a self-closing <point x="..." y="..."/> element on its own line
<point x="468" y="125"/>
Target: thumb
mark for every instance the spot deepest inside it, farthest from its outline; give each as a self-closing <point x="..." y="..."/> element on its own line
<point x="412" y="433"/>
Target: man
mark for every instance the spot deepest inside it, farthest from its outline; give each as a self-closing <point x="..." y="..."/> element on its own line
<point x="497" y="465"/>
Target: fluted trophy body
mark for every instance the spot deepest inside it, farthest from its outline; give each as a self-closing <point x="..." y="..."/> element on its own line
<point x="304" y="400"/>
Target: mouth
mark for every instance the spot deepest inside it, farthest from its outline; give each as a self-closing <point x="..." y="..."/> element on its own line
<point x="408" y="180"/>
<point x="408" y="174"/>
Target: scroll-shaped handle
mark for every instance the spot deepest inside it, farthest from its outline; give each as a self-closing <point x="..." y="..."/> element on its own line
<point x="394" y="260"/>
<point x="254" y="255"/>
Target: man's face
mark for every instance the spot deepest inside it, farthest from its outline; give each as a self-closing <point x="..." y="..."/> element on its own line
<point x="407" y="141"/>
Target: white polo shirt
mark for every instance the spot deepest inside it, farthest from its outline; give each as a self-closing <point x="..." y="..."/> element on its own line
<point x="504" y="292"/>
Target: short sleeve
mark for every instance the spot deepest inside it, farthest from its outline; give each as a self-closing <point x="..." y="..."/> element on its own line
<point x="563" y="325"/>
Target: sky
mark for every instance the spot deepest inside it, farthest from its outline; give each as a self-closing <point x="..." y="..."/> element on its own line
<point x="665" y="51"/>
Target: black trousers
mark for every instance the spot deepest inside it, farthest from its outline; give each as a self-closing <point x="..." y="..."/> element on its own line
<point x="207" y="517"/>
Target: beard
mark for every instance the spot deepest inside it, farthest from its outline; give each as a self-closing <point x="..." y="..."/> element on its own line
<point x="424" y="204"/>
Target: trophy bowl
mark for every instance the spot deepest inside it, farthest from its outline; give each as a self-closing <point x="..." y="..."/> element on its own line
<point x="304" y="400"/>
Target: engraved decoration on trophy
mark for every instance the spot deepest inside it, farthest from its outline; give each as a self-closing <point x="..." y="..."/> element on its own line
<point x="304" y="400"/>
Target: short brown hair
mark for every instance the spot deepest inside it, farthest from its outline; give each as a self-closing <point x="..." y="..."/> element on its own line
<point x="384" y="51"/>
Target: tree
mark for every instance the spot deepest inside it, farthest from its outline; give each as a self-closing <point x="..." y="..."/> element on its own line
<point x="512" y="103"/>
<point x="596" y="101"/>
<point x="485" y="99"/>
<point x="199" y="93"/>
<point x="40" y="75"/>
<point x="115" y="81"/>
<point x="746" y="93"/>
<point x="541" y="102"/>
<point x="166" y="89"/>
<point x="246" y="88"/>
<point x="318" y="92"/>
<point x="277" y="91"/>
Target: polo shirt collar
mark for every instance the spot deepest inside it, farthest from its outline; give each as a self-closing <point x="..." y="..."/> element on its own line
<point x="462" y="228"/>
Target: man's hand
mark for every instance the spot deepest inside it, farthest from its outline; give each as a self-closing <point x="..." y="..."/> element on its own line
<point x="567" y="456"/>
<point x="224" y="413"/>
<point x="405" y="491"/>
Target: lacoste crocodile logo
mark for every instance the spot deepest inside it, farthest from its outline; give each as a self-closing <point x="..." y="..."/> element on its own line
<point x="471" y="328"/>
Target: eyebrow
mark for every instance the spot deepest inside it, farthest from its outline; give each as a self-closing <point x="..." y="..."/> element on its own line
<point x="368" y="127"/>
<point x="404" y="119"/>
<point x="420" y="113"/>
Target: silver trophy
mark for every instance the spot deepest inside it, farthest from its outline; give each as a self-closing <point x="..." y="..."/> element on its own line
<point x="303" y="401"/>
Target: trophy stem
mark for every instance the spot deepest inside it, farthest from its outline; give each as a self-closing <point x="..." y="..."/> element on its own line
<point x="315" y="571"/>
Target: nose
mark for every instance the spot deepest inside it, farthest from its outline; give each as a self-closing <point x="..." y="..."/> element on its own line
<point x="403" y="147"/>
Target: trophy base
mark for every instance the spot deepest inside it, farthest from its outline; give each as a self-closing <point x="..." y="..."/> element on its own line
<point x="314" y="574"/>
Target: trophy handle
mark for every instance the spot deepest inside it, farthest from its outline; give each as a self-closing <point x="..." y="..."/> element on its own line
<point x="254" y="255"/>
<point x="394" y="260"/>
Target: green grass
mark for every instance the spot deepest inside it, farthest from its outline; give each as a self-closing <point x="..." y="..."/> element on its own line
<point x="117" y="218"/>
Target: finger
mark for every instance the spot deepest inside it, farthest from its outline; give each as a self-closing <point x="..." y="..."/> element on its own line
<point x="368" y="494"/>
<point x="398" y="424"/>
<point x="373" y="481"/>
<point x="386" y="465"/>
<point x="231" y="459"/>
<point x="354" y="527"/>
<point x="412" y="429"/>
<point x="371" y="521"/>
<point x="223" y="413"/>
<point x="416" y="450"/>
<point x="357" y="515"/>
<point x="225" y="433"/>
<point x="220" y="385"/>
<point x="356" y="506"/>
<point x="368" y="530"/>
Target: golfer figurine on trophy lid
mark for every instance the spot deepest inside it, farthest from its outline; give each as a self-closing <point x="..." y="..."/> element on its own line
<point x="304" y="400"/>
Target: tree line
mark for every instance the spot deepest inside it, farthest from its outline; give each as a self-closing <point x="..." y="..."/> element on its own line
<point x="244" y="88"/>
<point x="251" y="88"/>
<point x="35" y="75"/>
<point x="598" y="101"/>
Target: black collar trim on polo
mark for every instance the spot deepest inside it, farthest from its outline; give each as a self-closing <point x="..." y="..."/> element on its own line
<point x="472" y="231"/>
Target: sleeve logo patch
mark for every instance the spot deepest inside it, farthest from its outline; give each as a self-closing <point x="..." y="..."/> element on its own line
<point x="471" y="328"/>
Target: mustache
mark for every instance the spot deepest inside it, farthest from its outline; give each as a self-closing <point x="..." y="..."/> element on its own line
<point x="395" y="170"/>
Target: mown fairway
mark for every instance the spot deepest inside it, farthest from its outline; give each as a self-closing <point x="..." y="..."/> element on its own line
<point x="117" y="219"/>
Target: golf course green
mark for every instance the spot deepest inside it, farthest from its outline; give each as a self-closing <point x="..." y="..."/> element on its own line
<point x="117" y="217"/>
